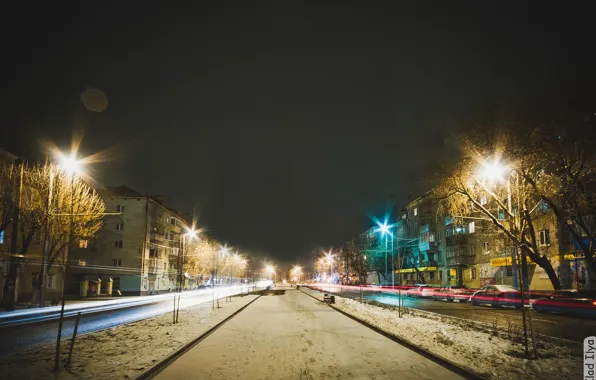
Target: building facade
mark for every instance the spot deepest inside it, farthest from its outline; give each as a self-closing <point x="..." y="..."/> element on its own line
<point x="137" y="248"/>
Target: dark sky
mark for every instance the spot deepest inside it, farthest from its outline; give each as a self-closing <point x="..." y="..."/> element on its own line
<point x="284" y="126"/>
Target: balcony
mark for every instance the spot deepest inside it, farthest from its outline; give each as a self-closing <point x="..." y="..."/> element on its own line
<point x="458" y="239"/>
<point x="153" y="264"/>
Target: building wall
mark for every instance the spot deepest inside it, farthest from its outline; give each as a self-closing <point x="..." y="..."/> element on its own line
<point x="133" y="248"/>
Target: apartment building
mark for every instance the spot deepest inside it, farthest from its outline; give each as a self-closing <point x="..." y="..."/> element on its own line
<point x="138" y="247"/>
<point x="420" y="245"/>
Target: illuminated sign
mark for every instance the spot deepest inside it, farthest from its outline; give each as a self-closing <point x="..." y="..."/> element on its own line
<point x="421" y="269"/>
<point x="571" y="256"/>
<point x="504" y="261"/>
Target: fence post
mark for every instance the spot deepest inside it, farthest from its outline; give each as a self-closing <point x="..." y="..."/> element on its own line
<point x="72" y="341"/>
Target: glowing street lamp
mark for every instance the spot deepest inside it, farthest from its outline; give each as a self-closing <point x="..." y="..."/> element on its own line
<point x="385" y="230"/>
<point x="69" y="163"/>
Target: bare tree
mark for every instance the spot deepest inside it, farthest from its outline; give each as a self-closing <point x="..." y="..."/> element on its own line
<point x="490" y="182"/>
<point x="564" y="178"/>
<point x="74" y="210"/>
<point x="8" y="188"/>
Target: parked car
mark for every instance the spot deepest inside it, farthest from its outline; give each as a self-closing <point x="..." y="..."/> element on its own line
<point x="497" y="296"/>
<point x="421" y="290"/>
<point x="463" y="294"/>
<point x="451" y="294"/>
<point x="444" y="294"/>
<point x="581" y="303"/>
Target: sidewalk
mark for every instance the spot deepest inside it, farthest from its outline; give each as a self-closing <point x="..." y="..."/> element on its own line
<point x="292" y="336"/>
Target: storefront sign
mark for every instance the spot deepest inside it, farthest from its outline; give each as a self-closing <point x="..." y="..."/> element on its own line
<point x="504" y="261"/>
<point x="571" y="256"/>
<point x="421" y="269"/>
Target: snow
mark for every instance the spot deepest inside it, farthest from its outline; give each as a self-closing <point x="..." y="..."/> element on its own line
<point x="124" y="351"/>
<point x="491" y="356"/>
<point x="288" y="335"/>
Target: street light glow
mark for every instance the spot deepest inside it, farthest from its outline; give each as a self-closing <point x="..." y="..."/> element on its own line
<point x="494" y="171"/>
<point x="69" y="163"/>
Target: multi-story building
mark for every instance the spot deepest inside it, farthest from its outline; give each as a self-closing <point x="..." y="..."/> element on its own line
<point x="419" y="246"/>
<point x="138" y="246"/>
<point x="468" y="251"/>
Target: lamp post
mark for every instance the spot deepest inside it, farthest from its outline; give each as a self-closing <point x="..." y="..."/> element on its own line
<point x="191" y="234"/>
<point x="495" y="171"/>
<point x="386" y="231"/>
<point x="223" y="250"/>
<point x="72" y="166"/>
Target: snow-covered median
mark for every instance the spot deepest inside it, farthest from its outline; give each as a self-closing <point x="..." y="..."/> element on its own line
<point x="124" y="351"/>
<point x="481" y="352"/>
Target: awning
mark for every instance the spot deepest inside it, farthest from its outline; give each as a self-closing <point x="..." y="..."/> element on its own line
<point x="421" y="269"/>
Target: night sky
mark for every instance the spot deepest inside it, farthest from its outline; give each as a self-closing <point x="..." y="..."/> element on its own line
<point x="284" y="126"/>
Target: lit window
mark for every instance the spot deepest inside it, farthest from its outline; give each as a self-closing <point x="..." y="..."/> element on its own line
<point x="404" y="216"/>
<point x="471" y="227"/>
<point x="2" y="237"/>
<point x="120" y="227"/>
<point x="483" y="200"/>
<point x="544" y="237"/>
<point x="83" y="243"/>
<point x="485" y="248"/>
<point x="415" y="211"/>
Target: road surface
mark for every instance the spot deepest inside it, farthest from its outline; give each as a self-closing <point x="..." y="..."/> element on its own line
<point x="293" y="336"/>
<point x="28" y="335"/>
<point x="558" y="326"/>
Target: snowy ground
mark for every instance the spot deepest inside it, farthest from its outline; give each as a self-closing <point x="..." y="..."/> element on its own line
<point x="292" y="336"/>
<point x="124" y="351"/>
<point x="482" y="352"/>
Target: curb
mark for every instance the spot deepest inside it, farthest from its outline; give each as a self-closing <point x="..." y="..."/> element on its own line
<point x="156" y="369"/>
<point x="453" y="367"/>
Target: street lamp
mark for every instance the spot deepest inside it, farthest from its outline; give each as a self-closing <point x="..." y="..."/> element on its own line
<point x="190" y="234"/>
<point x="222" y="250"/>
<point x="71" y="166"/>
<point x="498" y="172"/>
<point x="385" y="231"/>
<point x="269" y="269"/>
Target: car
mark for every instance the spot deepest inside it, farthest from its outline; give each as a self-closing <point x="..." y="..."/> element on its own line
<point x="451" y="294"/>
<point x="444" y="294"/>
<point x="580" y="303"/>
<point x="463" y="294"/>
<point x="497" y="296"/>
<point x="421" y="290"/>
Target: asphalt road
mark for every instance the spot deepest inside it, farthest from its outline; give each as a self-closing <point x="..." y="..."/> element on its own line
<point x="293" y="336"/>
<point x="28" y="335"/>
<point x="558" y="326"/>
